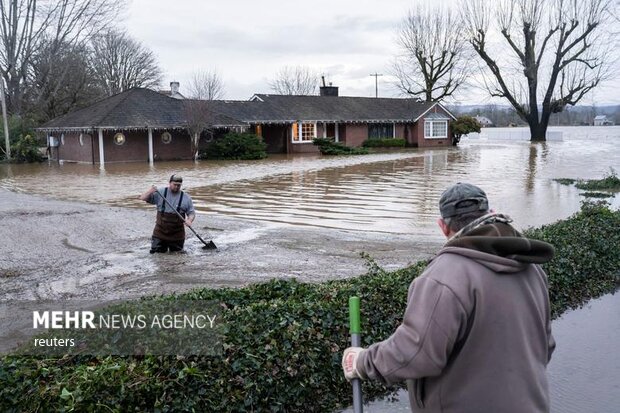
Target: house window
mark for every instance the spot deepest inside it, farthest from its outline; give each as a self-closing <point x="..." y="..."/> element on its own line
<point x="308" y="132"/>
<point x="380" y="130"/>
<point x="84" y="137"/>
<point x="435" y="129"/>
<point x="119" y="139"/>
<point x="207" y="135"/>
<point x="166" y="137"/>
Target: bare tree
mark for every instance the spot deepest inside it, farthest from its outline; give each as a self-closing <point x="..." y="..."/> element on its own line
<point x="432" y="59"/>
<point x="558" y="46"/>
<point x="60" y="82"/>
<point x="25" y="24"/>
<point x="199" y="118"/>
<point x="121" y="63"/>
<point x="298" y="80"/>
<point x="206" y="85"/>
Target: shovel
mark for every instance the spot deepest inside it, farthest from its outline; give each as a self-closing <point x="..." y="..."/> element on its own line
<point x="208" y="245"/>
<point x="356" y="341"/>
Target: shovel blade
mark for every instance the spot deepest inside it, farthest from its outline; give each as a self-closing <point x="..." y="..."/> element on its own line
<point x="209" y="246"/>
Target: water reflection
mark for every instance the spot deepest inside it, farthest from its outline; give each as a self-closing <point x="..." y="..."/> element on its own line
<point x="394" y="193"/>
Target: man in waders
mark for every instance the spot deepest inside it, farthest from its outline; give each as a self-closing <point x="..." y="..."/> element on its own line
<point x="169" y="232"/>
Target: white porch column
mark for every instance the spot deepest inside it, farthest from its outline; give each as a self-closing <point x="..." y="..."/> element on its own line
<point x="337" y="135"/>
<point x="150" y="145"/>
<point x="101" y="157"/>
<point x="394" y="130"/>
<point x="325" y="129"/>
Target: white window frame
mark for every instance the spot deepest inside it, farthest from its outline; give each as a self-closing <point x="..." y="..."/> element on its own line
<point x="433" y="133"/>
<point x="301" y="135"/>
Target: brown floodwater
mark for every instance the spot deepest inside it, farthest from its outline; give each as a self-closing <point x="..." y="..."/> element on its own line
<point x="390" y="192"/>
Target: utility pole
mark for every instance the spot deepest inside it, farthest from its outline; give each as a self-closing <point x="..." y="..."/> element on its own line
<point x="376" y="75"/>
<point x="6" y="123"/>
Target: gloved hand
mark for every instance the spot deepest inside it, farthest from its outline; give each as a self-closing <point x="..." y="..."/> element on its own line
<point x="349" y="363"/>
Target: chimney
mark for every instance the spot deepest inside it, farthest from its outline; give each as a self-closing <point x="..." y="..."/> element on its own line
<point x="329" y="90"/>
<point x="174" y="87"/>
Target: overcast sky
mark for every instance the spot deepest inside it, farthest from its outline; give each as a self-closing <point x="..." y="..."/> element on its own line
<point x="248" y="41"/>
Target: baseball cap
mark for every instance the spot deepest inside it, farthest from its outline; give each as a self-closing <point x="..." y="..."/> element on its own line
<point x="462" y="198"/>
<point x="176" y="178"/>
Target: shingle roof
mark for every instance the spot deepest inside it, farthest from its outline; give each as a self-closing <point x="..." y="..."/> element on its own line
<point x="337" y="108"/>
<point x="135" y="108"/>
<point x="143" y="108"/>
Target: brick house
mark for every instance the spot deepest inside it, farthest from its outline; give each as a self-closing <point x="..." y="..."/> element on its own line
<point x="143" y="125"/>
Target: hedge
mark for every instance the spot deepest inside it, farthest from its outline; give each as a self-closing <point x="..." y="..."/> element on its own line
<point x="384" y="143"/>
<point x="587" y="261"/>
<point x="284" y="338"/>
<point x="328" y="147"/>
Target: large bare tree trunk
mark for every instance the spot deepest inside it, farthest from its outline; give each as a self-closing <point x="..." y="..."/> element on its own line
<point x="538" y="131"/>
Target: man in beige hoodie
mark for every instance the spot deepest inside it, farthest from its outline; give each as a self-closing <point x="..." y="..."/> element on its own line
<point x="476" y="334"/>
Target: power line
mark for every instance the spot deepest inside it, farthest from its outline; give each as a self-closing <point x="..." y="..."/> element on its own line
<point x="376" y="75"/>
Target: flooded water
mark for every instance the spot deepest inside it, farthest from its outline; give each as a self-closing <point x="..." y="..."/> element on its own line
<point x="393" y="193"/>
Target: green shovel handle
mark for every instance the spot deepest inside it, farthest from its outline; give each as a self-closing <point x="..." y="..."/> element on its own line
<point x="354" y="315"/>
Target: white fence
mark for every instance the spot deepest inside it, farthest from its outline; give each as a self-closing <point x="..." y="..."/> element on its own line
<point x="511" y="134"/>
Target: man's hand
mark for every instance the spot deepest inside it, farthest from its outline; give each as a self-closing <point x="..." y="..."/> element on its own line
<point x="147" y="194"/>
<point x="349" y="362"/>
<point x="189" y="219"/>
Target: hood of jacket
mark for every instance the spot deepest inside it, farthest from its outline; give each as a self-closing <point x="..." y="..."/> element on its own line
<point x="494" y="243"/>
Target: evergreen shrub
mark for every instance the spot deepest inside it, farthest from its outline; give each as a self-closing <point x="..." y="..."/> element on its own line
<point x="24" y="145"/>
<point x="240" y="146"/>
<point x="463" y="125"/>
<point x="26" y="149"/>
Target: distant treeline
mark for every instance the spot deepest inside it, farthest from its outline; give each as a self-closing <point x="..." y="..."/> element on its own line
<point x="502" y="115"/>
